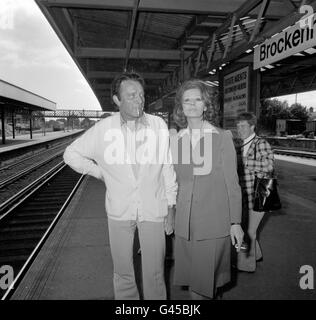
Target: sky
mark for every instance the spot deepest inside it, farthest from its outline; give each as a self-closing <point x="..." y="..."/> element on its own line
<point x="307" y="99"/>
<point x="33" y="57"/>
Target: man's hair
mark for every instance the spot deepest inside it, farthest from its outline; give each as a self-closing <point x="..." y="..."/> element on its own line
<point x="178" y="114"/>
<point x="247" y="116"/>
<point x="116" y="83"/>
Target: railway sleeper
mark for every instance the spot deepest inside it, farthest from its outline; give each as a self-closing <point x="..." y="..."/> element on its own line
<point x="15" y="261"/>
<point x="23" y="229"/>
<point x="23" y="222"/>
<point x="40" y="209"/>
<point x="33" y="215"/>
<point x="14" y="236"/>
<point x="12" y="246"/>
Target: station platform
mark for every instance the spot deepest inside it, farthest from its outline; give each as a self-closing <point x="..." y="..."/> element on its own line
<point x="75" y="262"/>
<point x="38" y="137"/>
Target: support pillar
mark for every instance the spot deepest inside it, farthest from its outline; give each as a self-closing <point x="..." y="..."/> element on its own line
<point x="13" y="125"/>
<point x="169" y="117"/>
<point x="182" y="65"/>
<point x="254" y="92"/>
<point x="31" y="133"/>
<point x="68" y="121"/>
<point x="44" y="126"/>
<point x="3" y="125"/>
<point x="221" y="97"/>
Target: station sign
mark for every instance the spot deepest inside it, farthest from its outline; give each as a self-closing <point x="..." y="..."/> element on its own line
<point x="235" y="87"/>
<point x="292" y="40"/>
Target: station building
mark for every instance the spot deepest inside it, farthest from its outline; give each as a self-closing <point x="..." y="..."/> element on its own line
<point x="16" y="107"/>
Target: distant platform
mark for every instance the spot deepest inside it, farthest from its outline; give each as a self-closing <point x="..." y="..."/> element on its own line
<point x="38" y="137"/>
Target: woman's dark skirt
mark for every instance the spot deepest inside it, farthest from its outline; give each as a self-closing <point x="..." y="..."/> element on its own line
<point x="202" y="265"/>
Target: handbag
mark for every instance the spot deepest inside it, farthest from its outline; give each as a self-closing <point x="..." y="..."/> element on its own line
<point x="266" y="197"/>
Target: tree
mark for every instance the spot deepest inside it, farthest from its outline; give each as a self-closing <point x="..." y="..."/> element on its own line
<point x="86" y="123"/>
<point x="298" y="111"/>
<point x="63" y="120"/>
<point x="272" y="109"/>
<point x="73" y="122"/>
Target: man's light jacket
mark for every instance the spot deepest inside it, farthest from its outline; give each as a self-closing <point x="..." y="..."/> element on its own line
<point x="103" y="152"/>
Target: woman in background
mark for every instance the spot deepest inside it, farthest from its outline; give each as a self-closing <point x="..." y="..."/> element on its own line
<point x="257" y="159"/>
<point x="208" y="211"/>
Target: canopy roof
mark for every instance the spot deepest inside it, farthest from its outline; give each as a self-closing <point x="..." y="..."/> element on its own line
<point x="14" y="97"/>
<point x="171" y="40"/>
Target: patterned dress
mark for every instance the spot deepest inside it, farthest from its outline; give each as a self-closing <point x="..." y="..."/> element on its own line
<point x="259" y="161"/>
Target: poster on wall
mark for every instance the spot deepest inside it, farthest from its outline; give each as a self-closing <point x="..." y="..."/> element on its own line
<point x="235" y="96"/>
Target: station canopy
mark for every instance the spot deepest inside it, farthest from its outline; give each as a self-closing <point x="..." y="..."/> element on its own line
<point x="18" y="100"/>
<point x="169" y="40"/>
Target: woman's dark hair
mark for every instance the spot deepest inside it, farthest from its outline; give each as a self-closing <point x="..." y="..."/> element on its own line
<point x="207" y="97"/>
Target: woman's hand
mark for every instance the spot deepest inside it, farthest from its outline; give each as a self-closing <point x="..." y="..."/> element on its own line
<point x="236" y="235"/>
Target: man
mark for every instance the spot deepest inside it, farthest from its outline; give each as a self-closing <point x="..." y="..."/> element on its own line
<point x="141" y="191"/>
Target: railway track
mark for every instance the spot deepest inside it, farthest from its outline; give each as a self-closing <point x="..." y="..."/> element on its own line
<point x="28" y="220"/>
<point x="302" y="154"/>
<point x="21" y="165"/>
<point x="24" y="151"/>
<point x="12" y="185"/>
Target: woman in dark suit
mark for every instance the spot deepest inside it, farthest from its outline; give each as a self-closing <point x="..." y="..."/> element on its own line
<point x="208" y="211"/>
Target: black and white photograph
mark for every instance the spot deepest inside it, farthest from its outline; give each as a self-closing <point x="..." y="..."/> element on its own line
<point x="157" y="151"/>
